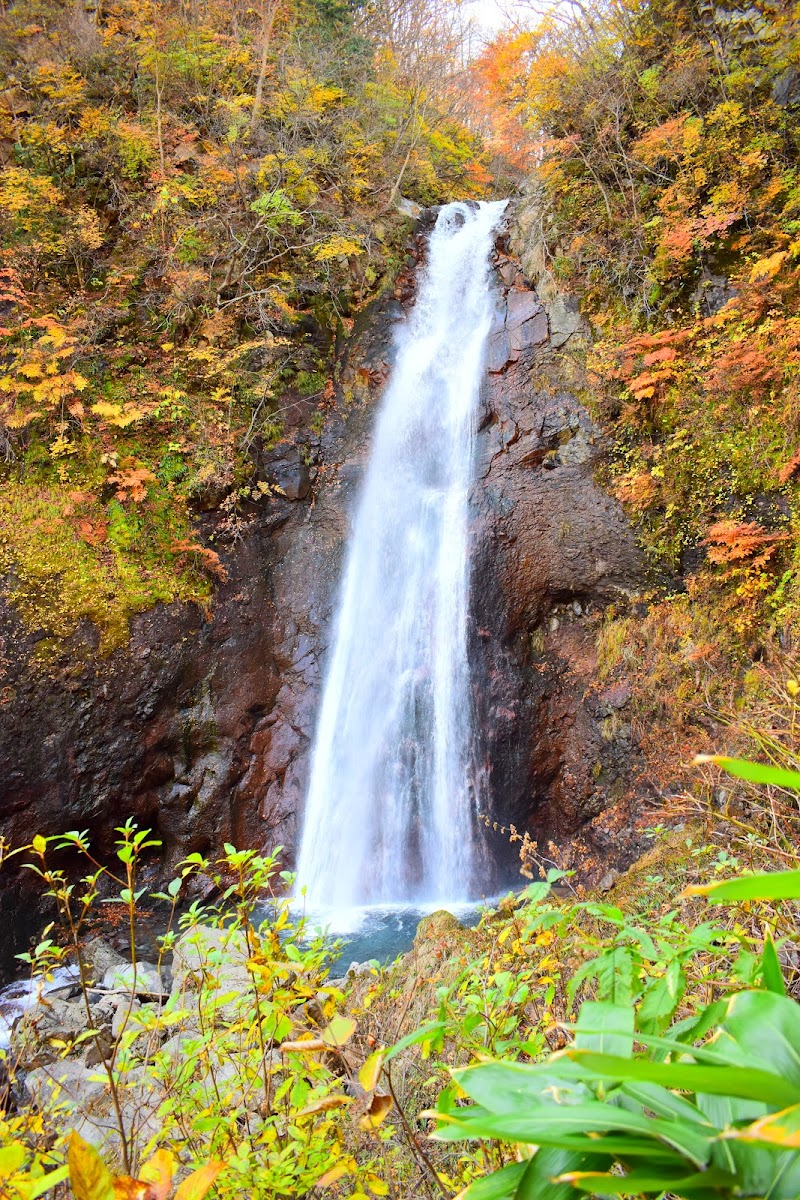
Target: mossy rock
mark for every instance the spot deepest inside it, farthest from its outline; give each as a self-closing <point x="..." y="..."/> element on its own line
<point x="436" y="926"/>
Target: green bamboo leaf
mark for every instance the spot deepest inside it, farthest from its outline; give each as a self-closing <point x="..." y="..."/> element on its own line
<point x="767" y="1028"/>
<point x="540" y="1181"/>
<point x="771" y="972"/>
<point x="742" y="768"/>
<point x="645" y="1181"/>
<point x="500" y="1185"/>
<point x="548" y="1125"/>
<point x="606" y="1028"/>
<point x="747" y="1083"/>
<point x="773" y="885"/>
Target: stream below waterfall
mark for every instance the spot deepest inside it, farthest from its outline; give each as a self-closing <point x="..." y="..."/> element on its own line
<point x="392" y="805"/>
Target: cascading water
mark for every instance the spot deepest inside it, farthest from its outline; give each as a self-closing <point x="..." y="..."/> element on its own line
<point x="390" y="814"/>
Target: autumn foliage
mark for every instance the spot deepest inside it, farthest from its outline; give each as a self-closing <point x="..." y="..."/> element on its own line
<point x="195" y="200"/>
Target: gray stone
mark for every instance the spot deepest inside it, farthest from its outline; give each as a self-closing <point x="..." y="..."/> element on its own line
<point x="99" y="957"/>
<point x="144" y="980"/>
<point x="68" y="1080"/>
<point x="215" y="957"/>
<point x="521" y="307"/>
<point x="498" y="352"/>
<point x="608" y="880"/>
<point x="530" y="333"/>
<point x="565" y="319"/>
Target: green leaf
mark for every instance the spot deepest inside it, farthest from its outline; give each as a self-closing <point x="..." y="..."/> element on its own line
<point x="746" y="1083"/>
<point x="741" y="768"/>
<point x="31" y="1189"/>
<point x="771" y="972"/>
<point x="423" y="1034"/>
<point x="642" y="1181"/>
<point x="500" y="1185"/>
<point x="773" y="885"/>
<point x="548" y="1125"/>
<point x="767" y="1028"/>
<point x="605" y="1028"/>
<point x="662" y="998"/>
<point x="540" y="1181"/>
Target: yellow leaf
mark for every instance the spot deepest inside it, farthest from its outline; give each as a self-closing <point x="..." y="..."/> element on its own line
<point x="339" y="1031"/>
<point x="126" y="1188"/>
<point x="370" y="1073"/>
<point x="336" y="247"/>
<point x="158" y="1172"/>
<point x="377" y="1186"/>
<point x="322" y="1105"/>
<point x="39" y="844"/>
<point x="306" y="1046"/>
<point x="195" y="1186"/>
<point x="11" y="1159"/>
<point x="377" y="1112"/>
<point x="89" y="1177"/>
<point x="345" y="1166"/>
<point x="767" y="268"/>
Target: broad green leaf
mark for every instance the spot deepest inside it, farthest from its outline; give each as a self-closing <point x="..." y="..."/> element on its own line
<point x="549" y="1124"/>
<point x="605" y="1028"/>
<point x="89" y="1177"/>
<point x="776" y="1129"/>
<point x="742" y="768"/>
<point x="662" y="1101"/>
<point x="767" y="1028"/>
<point x="505" y="1087"/>
<point x="771" y="972"/>
<point x="540" y="1181"/>
<point x="11" y="1159"/>
<point x="636" y="1182"/>
<point x="500" y="1185"/>
<point x="773" y="885"/>
<point x="744" y="1082"/>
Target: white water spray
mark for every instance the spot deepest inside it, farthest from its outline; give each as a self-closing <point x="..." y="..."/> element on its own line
<point x="390" y="814"/>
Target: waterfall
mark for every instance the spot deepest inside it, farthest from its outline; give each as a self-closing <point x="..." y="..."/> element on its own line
<point x="390" y="813"/>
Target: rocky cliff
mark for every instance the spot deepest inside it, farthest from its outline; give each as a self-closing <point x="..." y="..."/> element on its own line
<point x="200" y="728"/>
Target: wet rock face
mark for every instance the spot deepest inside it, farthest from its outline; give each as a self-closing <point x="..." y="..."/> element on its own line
<point x="551" y="549"/>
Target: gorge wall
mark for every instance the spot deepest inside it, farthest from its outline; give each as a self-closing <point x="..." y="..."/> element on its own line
<point x="200" y="728"/>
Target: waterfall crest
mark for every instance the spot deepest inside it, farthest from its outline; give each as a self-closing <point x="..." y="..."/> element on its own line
<point x="390" y="814"/>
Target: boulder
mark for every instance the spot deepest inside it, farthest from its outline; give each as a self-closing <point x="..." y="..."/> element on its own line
<point x="143" y="980"/>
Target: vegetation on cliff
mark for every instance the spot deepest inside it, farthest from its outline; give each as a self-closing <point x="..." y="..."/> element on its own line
<point x="665" y="196"/>
<point x="195" y="201"/>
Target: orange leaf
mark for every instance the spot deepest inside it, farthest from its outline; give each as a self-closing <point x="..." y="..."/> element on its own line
<point x="195" y="1186"/>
